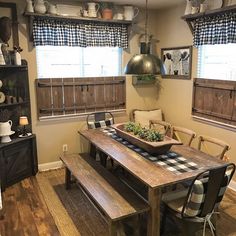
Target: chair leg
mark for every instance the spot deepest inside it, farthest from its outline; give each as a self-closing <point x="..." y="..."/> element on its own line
<point x="163" y="219"/>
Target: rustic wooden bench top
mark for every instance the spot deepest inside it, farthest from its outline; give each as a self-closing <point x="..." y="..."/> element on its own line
<point x="114" y="197"/>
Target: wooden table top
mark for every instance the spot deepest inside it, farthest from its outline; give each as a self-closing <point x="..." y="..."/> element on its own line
<point x="152" y="175"/>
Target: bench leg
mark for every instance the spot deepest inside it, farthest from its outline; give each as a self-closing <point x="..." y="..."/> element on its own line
<point x="93" y="151"/>
<point x="112" y="228"/>
<point x="68" y="178"/>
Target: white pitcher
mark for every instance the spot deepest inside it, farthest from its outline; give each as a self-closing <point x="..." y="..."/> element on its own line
<point x="93" y="8"/>
<point x="39" y="7"/>
<point x="5" y="127"/>
<point x="29" y="6"/>
<point x="130" y="12"/>
<point x="52" y="9"/>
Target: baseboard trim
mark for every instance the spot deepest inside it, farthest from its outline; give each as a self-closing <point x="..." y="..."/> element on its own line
<point x="232" y="185"/>
<point x="50" y="166"/>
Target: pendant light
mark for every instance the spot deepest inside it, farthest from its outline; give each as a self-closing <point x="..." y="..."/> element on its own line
<point x="144" y="63"/>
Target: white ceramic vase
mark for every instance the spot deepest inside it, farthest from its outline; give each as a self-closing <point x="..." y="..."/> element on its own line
<point x="188" y="9"/>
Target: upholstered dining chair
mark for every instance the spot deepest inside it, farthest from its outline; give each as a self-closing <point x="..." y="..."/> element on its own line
<point x="195" y="207"/>
<point x="162" y="126"/>
<point x="186" y="134"/>
<point x="207" y="144"/>
<point x="99" y="120"/>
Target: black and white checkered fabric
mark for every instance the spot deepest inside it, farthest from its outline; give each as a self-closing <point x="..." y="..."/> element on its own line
<point x="171" y="161"/>
<point x="82" y="34"/>
<point x="196" y="199"/>
<point x="100" y="124"/>
<point x="217" y="29"/>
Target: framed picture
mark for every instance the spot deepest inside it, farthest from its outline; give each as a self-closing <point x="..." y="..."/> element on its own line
<point x="177" y="62"/>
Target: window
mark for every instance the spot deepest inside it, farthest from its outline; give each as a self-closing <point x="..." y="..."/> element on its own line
<point x="217" y="62"/>
<point x="214" y="91"/>
<point x="75" y="81"/>
<point x="67" y="62"/>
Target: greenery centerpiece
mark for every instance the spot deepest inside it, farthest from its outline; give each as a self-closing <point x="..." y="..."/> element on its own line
<point x="149" y="135"/>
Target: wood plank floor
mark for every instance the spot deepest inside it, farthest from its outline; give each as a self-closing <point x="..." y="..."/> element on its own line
<point x="25" y="212"/>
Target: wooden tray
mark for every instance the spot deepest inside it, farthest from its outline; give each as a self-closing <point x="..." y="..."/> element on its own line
<point x="151" y="147"/>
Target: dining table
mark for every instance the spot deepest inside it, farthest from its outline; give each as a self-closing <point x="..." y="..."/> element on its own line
<point x="181" y="163"/>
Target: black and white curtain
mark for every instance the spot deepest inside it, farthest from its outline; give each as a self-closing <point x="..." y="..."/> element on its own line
<point x="79" y="33"/>
<point x="217" y="29"/>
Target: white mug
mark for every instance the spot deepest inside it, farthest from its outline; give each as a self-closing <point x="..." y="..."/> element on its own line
<point x="195" y="10"/>
<point x="203" y="7"/>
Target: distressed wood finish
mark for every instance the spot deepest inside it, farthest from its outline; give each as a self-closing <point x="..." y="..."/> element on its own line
<point x="110" y="195"/>
<point x="154" y="176"/>
<point x="215" y="100"/>
<point x="68" y="96"/>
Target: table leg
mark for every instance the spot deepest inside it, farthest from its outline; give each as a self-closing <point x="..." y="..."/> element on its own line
<point x="153" y="224"/>
<point x="68" y="178"/>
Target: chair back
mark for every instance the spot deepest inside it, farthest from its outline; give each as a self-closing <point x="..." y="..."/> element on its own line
<point x="161" y="126"/>
<point x="222" y="147"/>
<point x="207" y="190"/>
<point x="187" y="134"/>
<point x="100" y="120"/>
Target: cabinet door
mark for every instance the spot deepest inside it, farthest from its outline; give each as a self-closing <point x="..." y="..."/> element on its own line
<point x="17" y="160"/>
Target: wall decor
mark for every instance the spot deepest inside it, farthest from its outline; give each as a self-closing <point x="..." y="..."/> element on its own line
<point x="8" y="16"/>
<point x="177" y="62"/>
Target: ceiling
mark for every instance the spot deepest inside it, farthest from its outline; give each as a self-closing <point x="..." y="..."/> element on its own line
<point x="152" y="4"/>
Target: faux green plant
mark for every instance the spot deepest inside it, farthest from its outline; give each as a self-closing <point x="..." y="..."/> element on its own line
<point x="149" y="135"/>
<point x="106" y="5"/>
<point x="146" y="77"/>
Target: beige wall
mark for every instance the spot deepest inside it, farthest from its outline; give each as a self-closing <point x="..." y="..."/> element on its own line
<point x="51" y="135"/>
<point x="175" y="97"/>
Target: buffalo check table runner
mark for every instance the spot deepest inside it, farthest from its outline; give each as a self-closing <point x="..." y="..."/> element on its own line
<point x="172" y="161"/>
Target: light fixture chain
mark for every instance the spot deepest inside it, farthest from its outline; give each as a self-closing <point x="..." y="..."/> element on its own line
<point x="146" y="21"/>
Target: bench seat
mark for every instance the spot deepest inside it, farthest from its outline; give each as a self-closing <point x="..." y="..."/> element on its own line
<point x="116" y="200"/>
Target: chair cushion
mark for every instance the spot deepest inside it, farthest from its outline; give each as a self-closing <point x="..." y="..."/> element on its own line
<point x="100" y="124"/>
<point x="196" y="198"/>
<point x="143" y="117"/>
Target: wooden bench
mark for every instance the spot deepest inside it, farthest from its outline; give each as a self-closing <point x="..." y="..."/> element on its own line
<point x="114" y="200"/>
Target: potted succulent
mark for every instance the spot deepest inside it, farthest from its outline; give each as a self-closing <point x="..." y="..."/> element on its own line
<point x="106" y="10"/>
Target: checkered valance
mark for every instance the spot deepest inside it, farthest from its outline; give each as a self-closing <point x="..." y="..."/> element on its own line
<point x="57" y="32"/>
<point x="217" y="29"/>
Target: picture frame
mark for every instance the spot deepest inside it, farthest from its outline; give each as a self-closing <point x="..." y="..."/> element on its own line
<point x="10" y="10"/>
<point x="177" y="62"/>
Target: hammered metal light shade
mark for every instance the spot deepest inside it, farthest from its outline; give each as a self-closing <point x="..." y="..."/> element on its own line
<point x="141" y="64"/>
<point x="144" y="63"/>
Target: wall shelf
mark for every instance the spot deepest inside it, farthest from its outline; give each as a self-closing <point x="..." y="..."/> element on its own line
<point x="191" y="17"/>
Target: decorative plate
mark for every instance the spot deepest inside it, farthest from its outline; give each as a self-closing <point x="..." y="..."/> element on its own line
<point x="2" y="97"/>
<point x="214" y="4"/>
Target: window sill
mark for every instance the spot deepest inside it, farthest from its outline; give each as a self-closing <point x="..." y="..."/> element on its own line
<point x="214" y="123"/>
<point x="78" y="117"/>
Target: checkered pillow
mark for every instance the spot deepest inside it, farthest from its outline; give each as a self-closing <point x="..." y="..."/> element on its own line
<point x="196" y="199"/>
<point x="100" y="124"/>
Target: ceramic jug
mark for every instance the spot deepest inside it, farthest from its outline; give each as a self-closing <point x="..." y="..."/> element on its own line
<point x="39" y="7"/>
<point x="29" y="6"/>
<point x="130" y="12"/>
<point x="93" y="9"/>
<point x="188" y="8"/>
<point x="5" y="127"/>
<point x="52" y="9"/>
<point x="2" y="60"/>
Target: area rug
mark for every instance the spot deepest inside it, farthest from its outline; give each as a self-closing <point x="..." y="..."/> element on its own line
<point x="71" y="210"/>
<point x="74" y="214"/>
